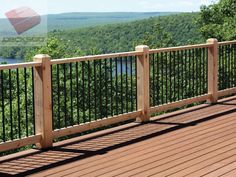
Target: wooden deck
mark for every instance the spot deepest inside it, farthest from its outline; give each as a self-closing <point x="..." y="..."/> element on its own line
<point x="199" y="141"/>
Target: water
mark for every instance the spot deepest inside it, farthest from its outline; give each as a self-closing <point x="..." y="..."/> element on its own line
<point x="10" y="60"/>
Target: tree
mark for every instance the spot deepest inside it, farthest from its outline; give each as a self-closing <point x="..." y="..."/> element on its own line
<point x="219" y="20"/>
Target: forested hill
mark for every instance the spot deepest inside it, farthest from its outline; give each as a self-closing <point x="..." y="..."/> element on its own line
<point x="172" y="30"/>
<point x="156" y="32"/>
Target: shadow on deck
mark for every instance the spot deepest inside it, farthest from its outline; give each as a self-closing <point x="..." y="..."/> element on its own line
<point x="193" y="142"/>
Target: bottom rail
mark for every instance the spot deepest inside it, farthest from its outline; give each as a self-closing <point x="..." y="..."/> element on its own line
<point x="10" y="145"/>
<point x="95" y="124"/>
<point x="227" y="92"/>
<point x="178" y="104"/>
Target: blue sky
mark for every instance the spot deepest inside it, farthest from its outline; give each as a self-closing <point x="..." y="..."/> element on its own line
<point x="60" y="6"/>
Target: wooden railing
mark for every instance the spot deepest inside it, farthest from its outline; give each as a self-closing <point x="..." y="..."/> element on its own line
<point x="164" y="79"/>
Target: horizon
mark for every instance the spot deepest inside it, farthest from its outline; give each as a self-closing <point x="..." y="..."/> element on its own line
<point x="106" y="6"/>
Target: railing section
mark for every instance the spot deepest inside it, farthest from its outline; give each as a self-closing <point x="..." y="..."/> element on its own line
<point x="227" y="66"/>
<point x="48" y="99"/>
<point x="17" y="115"/>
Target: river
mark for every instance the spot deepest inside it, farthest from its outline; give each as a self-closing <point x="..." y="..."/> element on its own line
<point x="10" y="60"/>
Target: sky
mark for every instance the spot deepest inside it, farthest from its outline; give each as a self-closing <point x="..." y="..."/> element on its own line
<point x="61" y="6"/>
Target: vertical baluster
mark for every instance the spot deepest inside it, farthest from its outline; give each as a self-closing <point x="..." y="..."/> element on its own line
<point x="178" y="75"/>
<point x="106" y="89"/>
<point x="10" y="100"/>
<point x="18" y="103"/>
<point x="162" y="77"/>
<point x="89" y="91"/>
<point x="65" y="95"/>
<point x="111" y="83"/>
<point x="183" y="84"/>
<point x="100" y="89"/>
<point x="116" y="65"/>
<point x="26" y="103"/>
<point x="71" y="96"/>
<point x="95" y="89"/>
<point x="3" y="108"/>
<point x="174" y="75"/>
<point x="121" y="80"/>
<point x="33" y="101"/>
<point x="132" y="87"/>
<point x="83" y="92"/>
<point x="166" y="58"/>
<point x="170" y="79"/>
<point x="126" y="84"/>
<point x="58" y="98"/>
<point x="158" y="79"/>
<point x="153" y="88"/>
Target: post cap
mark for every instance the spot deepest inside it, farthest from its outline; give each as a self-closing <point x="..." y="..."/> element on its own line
<point x="142" y="48"/>
<point x="212" y="40"/>
<point x="41" y="57"/>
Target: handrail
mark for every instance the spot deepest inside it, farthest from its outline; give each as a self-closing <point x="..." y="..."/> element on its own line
<point x="95" y="57"/>
<point x="179" y="48"/>
<point x="20" y="65"/>
<point x="227" y="42"/>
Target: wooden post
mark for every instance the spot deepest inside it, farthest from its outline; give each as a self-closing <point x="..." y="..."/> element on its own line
<point x="143" y="94"/>
<point x="213" y="56"/>
<point x="43" y="102"/>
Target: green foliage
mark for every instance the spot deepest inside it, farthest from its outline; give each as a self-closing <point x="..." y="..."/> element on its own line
<point x="219" y="20"/>
<point x="156" y="32"/>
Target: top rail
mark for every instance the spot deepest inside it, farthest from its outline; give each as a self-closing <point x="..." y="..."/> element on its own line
<point x="19" y="65"/>
<point x="95" y="57"/>
<point x="170" y="49"/>
<point x="227" y="42"/>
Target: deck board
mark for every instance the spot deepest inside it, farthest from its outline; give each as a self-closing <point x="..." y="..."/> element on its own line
<point x="196" y="141"/>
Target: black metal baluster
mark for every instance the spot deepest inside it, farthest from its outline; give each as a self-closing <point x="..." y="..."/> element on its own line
<point x="220" y="68"/>
<point x="166" y="54"/>
<point x="77" y="92"/>
<point x="83" y="92"/>
<point x="225" y="67"/>
<point x="100" y="89"/>
<point x="121" y="80"/>
<point x="174" y="84"/>
<point x="71" y="97"/>
<point x="95" y="89"/>
<point x="158" y="80"/>
<point x="65" y="96"/>
<point x="162" y="78"/>
<point x="18" y="103"/>
<point x="229" y="63"/>
<point x="26" y="103"/>
<point x="187" y="88"/>
<point x="117" y="112"/>
<point x="33" y="99"/>
<point x="200" y="70"/>
<point x="106" y="89"/>
<point x="178" y="77"/>
<point x="58" y="98"/>
<point x="3" y="108"/>
<point x="190" y="73"/>
<point x="10" y="100"/>
<point x="111" y="77"/>
<point x="89" y="91"/>
<point x="126" y="83"/>
<point x="131" y="75"/>
<point x="153" y="88"/>
<point x="170" y="65"/>
<point x="52" y="98"/>
<point x="136" y="83"/>
<point x="183" y="74"/>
